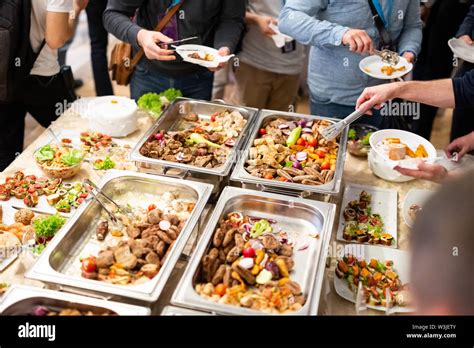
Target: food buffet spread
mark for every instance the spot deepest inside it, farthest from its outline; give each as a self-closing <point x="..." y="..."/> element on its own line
<point x="206" y="209"/>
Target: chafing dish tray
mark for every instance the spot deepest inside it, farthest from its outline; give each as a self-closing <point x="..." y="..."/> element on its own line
<point x="308" y="224"/>
<point x="21" y="300"/>
<point x="60" y="263"/>
<point x="241" y="176"/>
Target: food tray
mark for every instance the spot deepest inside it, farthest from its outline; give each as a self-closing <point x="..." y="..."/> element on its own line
<point x="170" y="120"/>
<point x="19" y="300"/>
<point x="242" y="177"/>
<point x="293" y="214"/>
<point x="59" y="263"/>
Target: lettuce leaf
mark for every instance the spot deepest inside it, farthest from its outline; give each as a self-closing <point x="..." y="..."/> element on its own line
<point x="72" y="158"/>
<point x="46" y="153"/>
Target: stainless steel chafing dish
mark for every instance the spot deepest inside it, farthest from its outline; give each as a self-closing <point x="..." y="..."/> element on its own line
<point x="241" y="177"/>
<point x="170" y="120"/>
<point x="172" y="311"/>
<point x="292" y="214"/>
<point x="58" y="263"/>
<point x="20" y="300"/>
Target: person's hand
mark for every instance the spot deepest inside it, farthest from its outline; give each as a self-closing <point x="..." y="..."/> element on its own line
<point x="461" y="146"/>
<point x="410" y="57"/>
<point x="358" y="41"/>
<point x="467" y="39"/>
<point x="263" y="23"/>
<point x="431" y="172"/>
<point x="80" y="5"/>
<point x="375" y="97"/>
<point x="223" y="51"/>
<point x="150" y="40"/>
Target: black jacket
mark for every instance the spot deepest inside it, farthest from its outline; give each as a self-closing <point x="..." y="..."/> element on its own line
<point x="467" y="27"/>
<point x="218" y="23"/>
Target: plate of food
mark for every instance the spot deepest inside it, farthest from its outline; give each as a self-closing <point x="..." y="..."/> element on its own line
<point x="59" y="161"/>
<point x="368" y="216"/>
<point x="381" y="271"/>
<point x="358" y="139"/>
<point x="375" y="67"/>
<point x="402" y="148"/>
<point x="462" y="49"/>
<point x="413" y="204"/>
<point x="207" y="57"/>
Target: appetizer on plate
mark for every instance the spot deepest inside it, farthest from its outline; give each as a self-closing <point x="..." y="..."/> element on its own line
<point x="59" y="161"/>
<point x="249" y="265"/>
<point x="201" y="56"/>
<point x="390" y="70"/>
<point x="293" y="151"/>
<point x="376" y="277"/>
<point x="362" y="225"/>
<point x="398" y="151"/>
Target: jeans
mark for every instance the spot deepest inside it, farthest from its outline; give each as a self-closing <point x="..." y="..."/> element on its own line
<point x="342" y="111"/>
<point x="195" y="86"/>
<point x="99" y="41"/>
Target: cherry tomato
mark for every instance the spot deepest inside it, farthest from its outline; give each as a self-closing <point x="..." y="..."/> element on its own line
<point x="83" y="195"/>
<point x="321" y="153"/>
<point x="301" y="142"/>
<point x="31" y="189"/>
<point x="268" y="177"/>
<point x="151" y="207"/>
<point x="80" y="201"/>
<point x="220" y="289"/>
<point x="262" y="131"/>
<point x="326" y="166"/>
<point x="89" y="265"/>
<point x="313" y="142"/>
<point x="66" y="141"/>
<point x="249" y="252"/>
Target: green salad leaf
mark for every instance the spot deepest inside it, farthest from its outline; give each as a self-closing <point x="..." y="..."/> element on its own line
<point x="106" y="164"/>
<point x="366" y="139"/>
<point x="72" y="158"/>
<point x="46" y="153"/>
<point x="352" y="134"/>
<point x="48" y="226"/>
<point x="156" y="103"/>
<point x="260" y="228"/>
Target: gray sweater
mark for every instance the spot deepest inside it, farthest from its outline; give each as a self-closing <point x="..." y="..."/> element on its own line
<point x="218" y="23"/>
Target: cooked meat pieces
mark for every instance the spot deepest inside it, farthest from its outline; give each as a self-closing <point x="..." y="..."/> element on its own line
<point x="133" y="232"/>
<point x="245" y="274"/>
<point x="160" y="248"/>
<point x="219" y="275"/>
<point x="152" y="258"/>
<point x="290" y="264"/>
<point x="229" y="237"/>
<point x="138" y="247"/>
<point x="105" y="259"/>
<point x="239" y="241"/>
<point x="218" y="237"/>
<point x="286" y="250"/>
<point x="102" y="230"/>
<point x="150" y="270"/>
<point x="154" y="216"/>
<point x="164" y="237"/>
<point x="270" y="242"/>
<point x="123" y="255"/>
<point x="233" y="254"/>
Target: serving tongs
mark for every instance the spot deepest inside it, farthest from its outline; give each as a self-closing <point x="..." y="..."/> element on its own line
<point x="333" y="131"/>
<point x="178" y="41"/>
<point x="389" y="57"/>
<point x="98" y="192"/>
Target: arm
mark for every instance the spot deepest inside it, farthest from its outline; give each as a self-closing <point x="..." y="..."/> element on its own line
<point x="117" y="21"/>
<point x="409" y="44"/>
<point x="438" y="93"/>
<point x="298" y="20"/>
<point x="61" y="21"/>
<point x="231" y="24"/>
<point x="468" y="25"/>
<point x="262" y="22"/>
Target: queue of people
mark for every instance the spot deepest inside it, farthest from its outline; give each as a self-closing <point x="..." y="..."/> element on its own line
<point x="339" y="33"/>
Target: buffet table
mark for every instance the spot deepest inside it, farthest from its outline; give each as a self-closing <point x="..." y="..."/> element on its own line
<point x="356" y="171"/>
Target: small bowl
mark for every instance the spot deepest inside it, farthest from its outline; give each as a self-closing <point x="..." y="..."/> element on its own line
<point x="58" y="173"/>
<point x="354" y="147"/>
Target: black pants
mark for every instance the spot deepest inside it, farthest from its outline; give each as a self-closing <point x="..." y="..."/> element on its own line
<point x="436" y="58"/>
<point x="99" y="41"/>
<point x="463" y="118"/>
<point x="45" y="98"/>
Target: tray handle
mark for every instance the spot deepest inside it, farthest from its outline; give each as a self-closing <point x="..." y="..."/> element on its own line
<point x="301" y="194"/>
<point x="85" y="293"/>
<point x="182" y="174"/>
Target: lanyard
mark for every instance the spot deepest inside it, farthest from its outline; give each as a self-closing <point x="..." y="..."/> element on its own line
<point x="378" y="6"/>
<point x="173" y="4"/>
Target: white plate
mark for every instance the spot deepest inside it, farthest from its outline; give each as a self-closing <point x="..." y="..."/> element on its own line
<point x="384" y="202"/>
<point x="372" y="66"/>
<point x="401" y="264"/>
<point x="185" y="50"/>
<point x="414" y="196"/>
<point x="462" y="50"/>
<point x="410" y="139"/>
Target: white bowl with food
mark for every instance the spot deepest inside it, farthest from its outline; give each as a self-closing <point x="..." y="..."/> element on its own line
<point x="115" y="116"/>
<point x="59" y="162"/>
<point x="413" y="204"/>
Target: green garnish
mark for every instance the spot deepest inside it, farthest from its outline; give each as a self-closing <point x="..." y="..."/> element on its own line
<point x="106" y="164"/>
<point x="199" y="139"/>
<point x="72" y="158"/>
<point x="156" y="103"/>
<point x="46" y="153"/>
<point x="48" y="226"/>
<point x="352" y="134"/>
<point x="366" y="139"/>
<point x="288" y="164"/>
<point x="38" y="249"/>
<point x="260" y="228"/>
<point x="294" y="136"/>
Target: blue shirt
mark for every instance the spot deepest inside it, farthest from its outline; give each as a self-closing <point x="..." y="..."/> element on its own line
<point x="334" y="75"/>
<point x="464" y="90"/>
